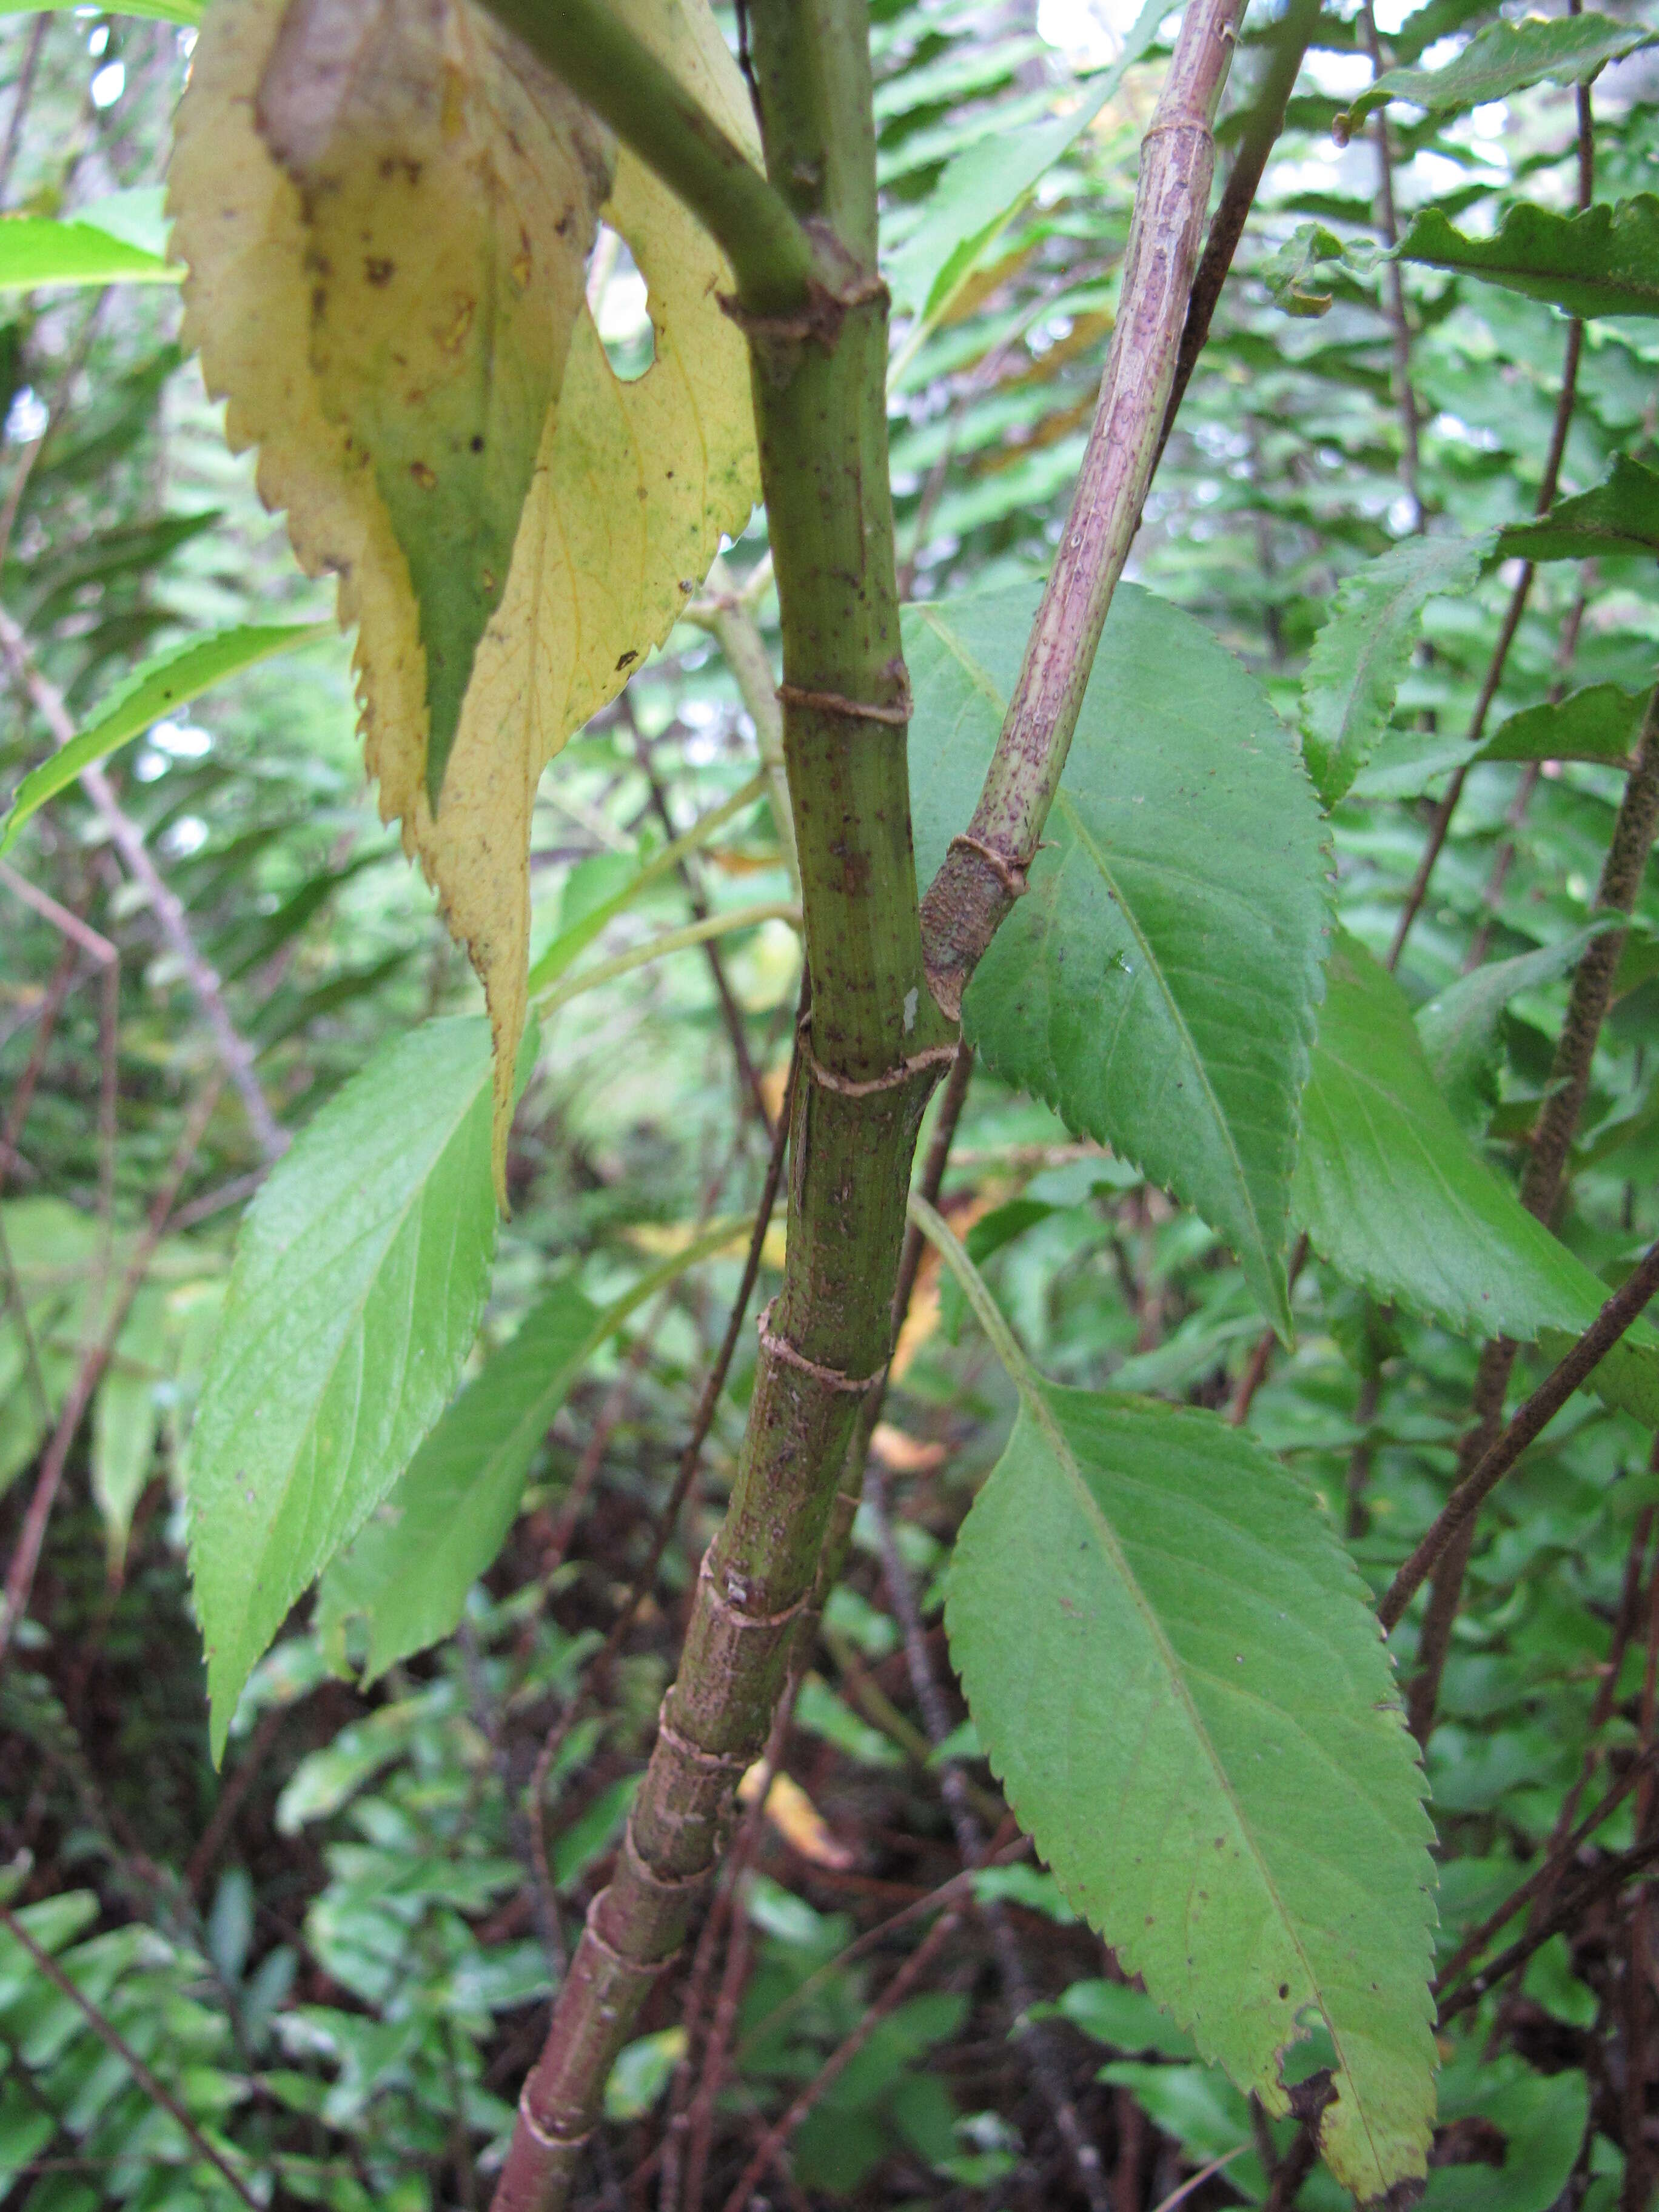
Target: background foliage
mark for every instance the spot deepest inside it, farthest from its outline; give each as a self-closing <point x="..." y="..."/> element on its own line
<point x="335" y="1953"/>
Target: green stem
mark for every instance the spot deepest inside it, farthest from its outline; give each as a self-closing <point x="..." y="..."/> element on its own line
<point x="875" y="1040"/>
<point x="871" y="1047"/>
<point x="587" y="43"/>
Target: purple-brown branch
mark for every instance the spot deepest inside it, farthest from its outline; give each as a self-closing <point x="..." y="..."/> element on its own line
<point x="1621" y="1310"/>
<point x="985" y="869"/>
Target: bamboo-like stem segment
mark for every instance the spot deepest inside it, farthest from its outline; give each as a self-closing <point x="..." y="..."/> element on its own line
<point x="874" y="1041"/>
<point x="871" y="1049"/>
<point x="984" y="871"/>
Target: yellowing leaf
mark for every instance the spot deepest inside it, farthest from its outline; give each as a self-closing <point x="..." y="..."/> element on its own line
<point x="449" y="189"/>
<point x="385" y="213"/>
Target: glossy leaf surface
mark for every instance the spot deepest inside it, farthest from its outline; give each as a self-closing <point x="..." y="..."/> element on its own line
<point x="1364" y="648"/>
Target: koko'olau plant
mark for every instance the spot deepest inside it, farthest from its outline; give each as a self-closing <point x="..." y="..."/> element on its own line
<point x="1160" y="858"/>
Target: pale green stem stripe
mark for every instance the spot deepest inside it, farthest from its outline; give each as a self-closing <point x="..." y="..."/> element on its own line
<point x="565" y="947"/>
<point x="727" y="1235"/>
<point x="671" y="940"/>
<point x="948" y="1246"/>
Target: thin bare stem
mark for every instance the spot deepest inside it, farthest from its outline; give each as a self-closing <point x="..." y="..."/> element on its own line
<point x="1521" y="591"/>
<point x="113" y="2039"/>
<point x="776" y="2139"/>
<point x="1539" y="1884"/>
<point x="1263" y="126"/>
<point x="20" y="1578"/>
<point x="20" y="102"/>
<point x="234" y="1052"/>
<point x="728" y="617"/>
<point x="1261" y="1352"/>
<point x="1400" y="329"/>
<point x="1621" y="1310"/>
<point x="1606" y="1881"/>
<point x="731" y="1013"/>
<point x="92" y="942"/>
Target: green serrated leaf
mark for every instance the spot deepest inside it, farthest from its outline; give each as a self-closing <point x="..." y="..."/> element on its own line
<point x="1459" y="1028"/>
<point x="1361" y="653"/>
<point x="1506" y="57"/>
<point x="1604" y="261"/>
<point x="409" y="1570"/>
<point x="410" y="1566"/>
<point x="36" y="251"/>
<point x="186" y="12"/>
<point x="1599" y="723"/>
<point x="160" y="685"/>
<point x="986" y="184"/>
<point x="1619" y="515"/>
<point x="1169" y="1658"/>
<point x="1161" y="1005"/>
<point x="359" y="1279"/>
<point x="1397" y="1199"/>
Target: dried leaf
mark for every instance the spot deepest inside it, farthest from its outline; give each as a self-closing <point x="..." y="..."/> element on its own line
<point x="903" y="1453"/>
<point x="796" y="1818"/>
<point x="385" y="210"/>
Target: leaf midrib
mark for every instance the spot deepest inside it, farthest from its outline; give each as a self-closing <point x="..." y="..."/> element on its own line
<point x="393" y="1225"/>
<point x="1035" y="1399"/>
<point x="1066" y="805"/>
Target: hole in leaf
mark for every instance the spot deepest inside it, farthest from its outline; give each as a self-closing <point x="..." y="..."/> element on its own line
<point x="617" y="301"/>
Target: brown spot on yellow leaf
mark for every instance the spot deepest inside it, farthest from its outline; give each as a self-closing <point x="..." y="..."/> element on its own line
<point x="321" y="138"/>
